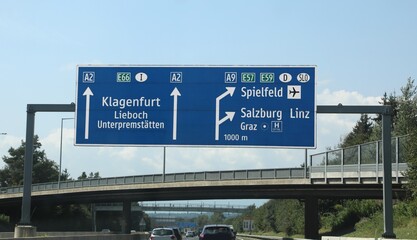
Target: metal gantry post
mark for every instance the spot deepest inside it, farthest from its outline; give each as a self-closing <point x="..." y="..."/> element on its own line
<point x="342" y="164"/>
<point x="386" y="112"/>
<point x="23" y="228"/>
<point x="326" y="158"/>
<point x="387" y="185"/>
<point x="28" y="165"/>
<point x="359" y="163"/>
<point x="377" y="162"/>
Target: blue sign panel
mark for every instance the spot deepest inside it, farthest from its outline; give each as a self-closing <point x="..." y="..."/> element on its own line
<point x="259" y="106"/>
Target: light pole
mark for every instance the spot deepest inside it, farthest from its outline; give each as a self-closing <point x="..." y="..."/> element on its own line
<point x="60" y="151"/>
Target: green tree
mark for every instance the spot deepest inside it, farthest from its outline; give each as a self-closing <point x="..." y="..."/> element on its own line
<point x="386" y="100"/>
<point x="46" y="217"/>
<point x="411" y="158"/>
<point x="407" y="125"/>
<point x="360" y="133"/>
<point x="344" y="214"/>
<point x="202" y="220"/>
<point x="264" y="217"/>
<point x="71" y="217"/>
<point x="289" y="216"/>
<point x="217" y="218"/>
<point x="403" y="109"/>
<point x="44" y="169"/>
<point x="406" y="121"/>
<point x="91" y="175"/>
<point x="65" y="175"/>
<point x="260" y="219"/>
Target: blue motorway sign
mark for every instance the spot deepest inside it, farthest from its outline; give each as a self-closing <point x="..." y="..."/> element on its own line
<point x="260" y="106"/>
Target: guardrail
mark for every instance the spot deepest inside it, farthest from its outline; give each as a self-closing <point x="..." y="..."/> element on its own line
<point x="357" y="164"/>
<point x="277" y="173"/>
<point x="360" y="163"/>
<point x="152" y="206"/>
<point x="173" y="207"/>
<point x="260" y="237"/>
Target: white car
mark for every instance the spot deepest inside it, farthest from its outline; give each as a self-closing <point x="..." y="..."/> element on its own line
<point x="190" y="234"/>
<point x="163" y="234"/>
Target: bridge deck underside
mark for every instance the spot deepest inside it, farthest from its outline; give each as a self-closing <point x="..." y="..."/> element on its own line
<point x="205" y="191"/>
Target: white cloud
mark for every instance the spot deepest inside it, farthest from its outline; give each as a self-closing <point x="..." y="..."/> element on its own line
<point x="122" y="153"/>
<point x="7" y="141"/>
<point x="346" y="98"/>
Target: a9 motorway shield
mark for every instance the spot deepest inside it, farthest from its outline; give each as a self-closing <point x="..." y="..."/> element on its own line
<point x="259" y="106"/>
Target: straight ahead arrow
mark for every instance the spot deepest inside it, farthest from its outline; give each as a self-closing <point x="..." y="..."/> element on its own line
<point x="175" y="93"/>
<point x="87" y="93"/>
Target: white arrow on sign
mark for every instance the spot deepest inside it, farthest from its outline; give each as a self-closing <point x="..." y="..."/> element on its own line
<point x="87" y="93"/>
<point x="175" y="93"/>
<point x="229" y="115"/>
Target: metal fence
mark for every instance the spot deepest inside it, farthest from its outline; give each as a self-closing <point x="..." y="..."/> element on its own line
<point x="254" y="174"/>
<point x="358" y="163"/>
<point x="361" y="161"/>
<point x="180" y="207"/>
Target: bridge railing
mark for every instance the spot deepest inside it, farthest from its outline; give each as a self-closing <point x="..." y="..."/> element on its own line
<point x="361" y="163"/>
<point x="176" y="207"/>
<point x="253" y="174"/>
<point x="151" y="205"/>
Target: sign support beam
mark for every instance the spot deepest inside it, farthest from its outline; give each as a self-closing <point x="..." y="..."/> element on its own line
<point x="386" y="112"/>
<point x="28" y="163"/>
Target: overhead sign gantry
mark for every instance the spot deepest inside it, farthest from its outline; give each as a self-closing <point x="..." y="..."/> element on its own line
<point x="259" y="106"/>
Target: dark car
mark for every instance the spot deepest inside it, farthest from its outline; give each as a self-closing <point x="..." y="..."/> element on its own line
<point x="177" y="233"/>
<point x="217" y="232"/>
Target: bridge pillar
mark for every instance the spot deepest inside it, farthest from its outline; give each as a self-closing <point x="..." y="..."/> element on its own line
<point x="311" y="218"/>
<point x="127" y="217"/>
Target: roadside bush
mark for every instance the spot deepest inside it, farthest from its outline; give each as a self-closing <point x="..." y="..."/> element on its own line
<point x="290" y="217"/>
<point x="347" y="214"/>
<point x="407" y="208"/>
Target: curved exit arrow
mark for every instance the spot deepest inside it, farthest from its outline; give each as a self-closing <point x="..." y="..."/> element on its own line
<point x="229" y="115"/>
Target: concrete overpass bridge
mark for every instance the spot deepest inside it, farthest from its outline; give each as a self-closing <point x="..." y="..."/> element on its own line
<point x="354" y="172"/>
<point x="234" y="184"/>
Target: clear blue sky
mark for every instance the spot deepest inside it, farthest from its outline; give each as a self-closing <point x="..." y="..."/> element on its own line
<point x="361" y="48"/>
